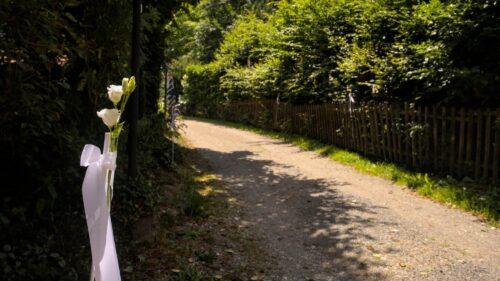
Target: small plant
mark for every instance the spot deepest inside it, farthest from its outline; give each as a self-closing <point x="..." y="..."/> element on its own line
<point x="205" y="256"/>
<point x="190" y="273"/>
<point x="194" y="204"/>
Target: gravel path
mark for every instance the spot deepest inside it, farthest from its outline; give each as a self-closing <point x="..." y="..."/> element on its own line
<point x="320" y="220"/>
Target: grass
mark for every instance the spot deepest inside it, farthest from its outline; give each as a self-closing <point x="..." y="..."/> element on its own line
<point x="477" y="198"/>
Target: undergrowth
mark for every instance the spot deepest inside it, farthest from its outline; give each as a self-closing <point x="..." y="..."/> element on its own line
<point x="476" y="197"/>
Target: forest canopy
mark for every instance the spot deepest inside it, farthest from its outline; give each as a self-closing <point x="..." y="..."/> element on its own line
<point x="318" y="51"/>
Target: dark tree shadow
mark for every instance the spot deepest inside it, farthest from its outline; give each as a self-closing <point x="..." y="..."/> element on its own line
<point x="311" y="215"/>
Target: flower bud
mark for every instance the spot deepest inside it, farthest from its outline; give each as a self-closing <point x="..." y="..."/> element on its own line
<point x="131" y="84"/>
<point x="125" y="85"/>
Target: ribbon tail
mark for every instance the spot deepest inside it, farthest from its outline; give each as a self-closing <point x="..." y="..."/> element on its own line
<point x="109" y="269"/>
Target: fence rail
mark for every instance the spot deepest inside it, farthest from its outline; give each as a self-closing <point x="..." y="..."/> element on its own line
<point x="446" y="140"/>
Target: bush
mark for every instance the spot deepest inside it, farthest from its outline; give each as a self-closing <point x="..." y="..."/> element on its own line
<point x="304" y="51"/>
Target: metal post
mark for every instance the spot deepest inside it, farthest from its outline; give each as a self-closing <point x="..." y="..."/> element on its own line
<point x="134" y="99"/>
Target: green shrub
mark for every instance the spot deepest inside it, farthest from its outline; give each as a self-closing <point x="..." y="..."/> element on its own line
<point x="305" y="51"/>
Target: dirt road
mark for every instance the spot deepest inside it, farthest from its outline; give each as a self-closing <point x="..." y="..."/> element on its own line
<point x="320" y="220"/>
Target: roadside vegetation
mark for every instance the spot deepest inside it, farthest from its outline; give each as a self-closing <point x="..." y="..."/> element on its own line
<point x="194" y="232"/>
<point x="477" y="198"/>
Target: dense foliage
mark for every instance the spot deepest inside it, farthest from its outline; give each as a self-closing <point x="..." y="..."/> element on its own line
<point x="317" y="51"/>
<point x="56" y="58"/>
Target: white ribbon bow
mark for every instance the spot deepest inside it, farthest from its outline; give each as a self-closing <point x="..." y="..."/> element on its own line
<point x="94" y="190"/>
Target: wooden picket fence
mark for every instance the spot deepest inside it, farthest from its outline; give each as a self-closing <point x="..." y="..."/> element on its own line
<point x="444" y="140"/>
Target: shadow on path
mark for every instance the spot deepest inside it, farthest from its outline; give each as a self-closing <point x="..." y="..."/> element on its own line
<point x="311" y="231"/>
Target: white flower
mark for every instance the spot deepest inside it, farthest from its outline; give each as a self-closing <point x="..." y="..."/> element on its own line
<point x="115" y="93"/>
<point x="110" y="117"/>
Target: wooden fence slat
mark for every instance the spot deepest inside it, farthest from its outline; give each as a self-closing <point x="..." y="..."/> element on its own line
<point x="392" y="133"/>
<point x="324" y="125"/>
<point x="435" y="147"/>
<point x="496" y="149"/>
<point x="487" y="143"/>
<point x="309" y="120"/>
<point x="407" y="135"/>
<point x="329" y="123"/>
<point x="373" y="138"/>
<point x="461" y="142"/>
<point x="384" y="134"/>
<point x="340" y="130"/>
<point x="326" y="120"/>
<point x="339" y="125"/>
<point x="340" y="114"/>
<point x="468" y="151"/>
<point x="452" y="141"/>
<point x="318" y="121"/>
<point x="333" y="117"/>
<point x="387" y="133"/>
<point x="347" y="117"/>
<point x="414" y="138"/>
<point x="443" y="138"/>
<point x="365" y="130"/>
<point x="357" y="138"/>
<point x="397" y="125"/>
<point x="479" y="143"/>
<point x="347" y="135"/>
<point x="378" y="140"/>
<point x="427" y="136"/>
<point x="349" y="126"/>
